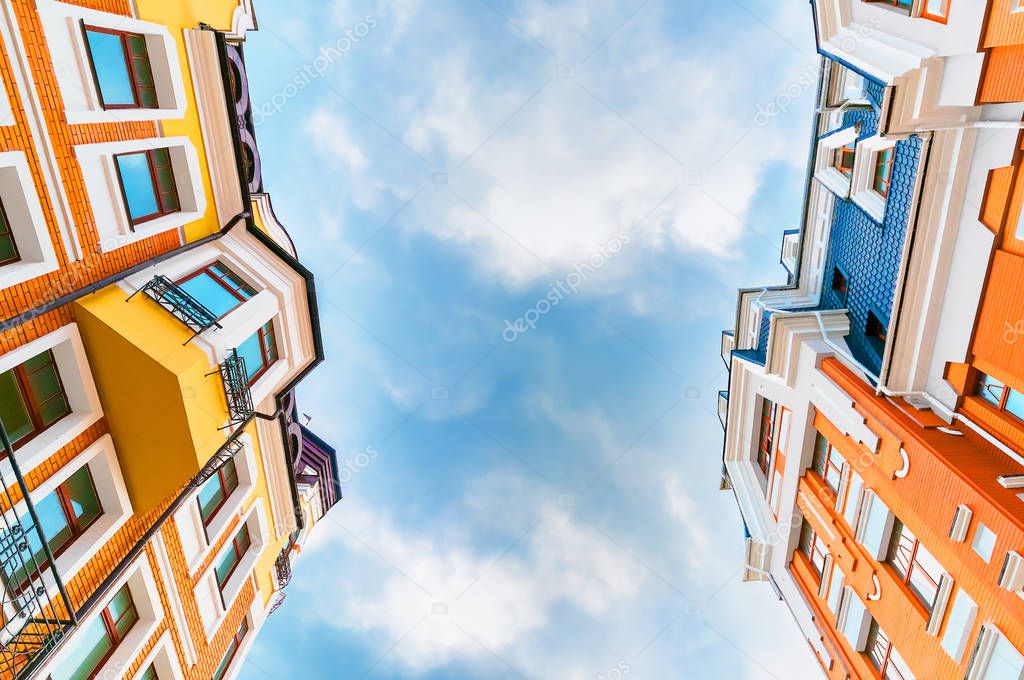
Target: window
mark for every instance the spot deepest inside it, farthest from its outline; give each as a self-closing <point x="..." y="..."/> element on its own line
<point x="995" y="658"/>
<point x="914" y="564"/>
<point x="883" y="171"/>
<point x="216" y="490"/>
<point x="875" y="525"/>
<point x="32" y="398"/>
<point x="259" y="351"/>
<point x="149" y="674"/>
<point x="231" y="559"/>
<point x="766" y="436"/>
<point x="94" y="644"/>
<point x="839" y="284"/>
<point x="8" y="248"/>
<point x="842" y="159"/>
<point x="828" y="463"/>
<point x="121" y="67"/>
<point x="232" y="651"/>
<point x="999" y="395"/>
<point x="64" y="515"/>
<point x="876" y="333"/>
<point x="984" y="542"/>
<point x="958" y="629"/>
<point x="147" y="184"/>
<point x="905" y="5"/>
<point x="218" y="288"/>
<point x="884" y="656"/>
<point x="936" y="10"/>
<point x="813" y="548"/>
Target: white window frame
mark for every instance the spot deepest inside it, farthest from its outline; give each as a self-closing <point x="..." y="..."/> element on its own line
<point x="73" y="366"/>
<point x="146" y="597"/>
<point x="189" y="522"/>
<point x="62" y="24"/>
<point x="103" y="186"/>
<point x="105" y="470"/>
<point x="207" y="593"/>
<point x="833" y="180"/>
<point x="163" y="658"/>
<point x="983" y="651"/>
<point x="26" y="221"/>
<point x="862" y="190"/>
<point x="954" y="638"/>
<point x="871" y="502"/>
<point x="851" y="605"/>
<point x="979" y="528"/>
<point x="839" y="84"/>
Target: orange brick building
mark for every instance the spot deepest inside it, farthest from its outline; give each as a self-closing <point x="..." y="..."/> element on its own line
<point x="875" y="411"/>
<point x="154" y="323"/>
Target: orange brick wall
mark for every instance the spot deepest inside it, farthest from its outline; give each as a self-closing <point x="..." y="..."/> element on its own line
<point x="63" y="137"/>
<point x="945" y="470"/>
<point x="1003" y="42"/>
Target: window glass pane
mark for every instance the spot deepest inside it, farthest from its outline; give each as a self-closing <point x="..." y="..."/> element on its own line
<point x="115" y="83"/>
<point x="958" y="629"/>
<point x="138" y="185"/>
<point x="211" y="293"/>
<point x="82" y="497"/>
<point x="150" y="674"/>
<point x="226" y="566"/>
<point x="253" y="355"/>
<point x="87" y="650"/>
<point x="1015" y="403"/>
<point x="877" y="526"/>
<point x="211" y="495"/>
<point x="222" y="668"/>
<point x="13" y="409"/>
<point x="8" y="249"/>
<point x="989" y="389"/>
<point x="54" y="409"/>
<point x="1006" y="664"/>
<point x="53" y="522"/>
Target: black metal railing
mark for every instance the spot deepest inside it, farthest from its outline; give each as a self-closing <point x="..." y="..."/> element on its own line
<point x="283" y="568"/>
<point x="216" y="462"/>
<point x="36" y="610"/>
<point x="236" y="388"/>
<point x="181" y="304"/>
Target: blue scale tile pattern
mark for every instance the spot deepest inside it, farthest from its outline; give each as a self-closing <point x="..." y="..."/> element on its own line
<point x="869" y="253"/>
<point x="873" y="91"/>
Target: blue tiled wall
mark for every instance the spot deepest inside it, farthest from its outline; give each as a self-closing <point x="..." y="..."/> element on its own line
<point x="868" y="252"/>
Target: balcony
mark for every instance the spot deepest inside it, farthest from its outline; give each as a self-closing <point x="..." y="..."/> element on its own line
<point x="36" y="613"/>
<point x="168" y="401"/>
<point x="183" y="306"/>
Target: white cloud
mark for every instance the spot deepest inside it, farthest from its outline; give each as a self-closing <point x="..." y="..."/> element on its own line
<point x="334" y="141"/>
<point x="644" y="131"/>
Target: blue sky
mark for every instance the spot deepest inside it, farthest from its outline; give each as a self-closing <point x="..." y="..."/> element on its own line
<point x="541" y="503"/>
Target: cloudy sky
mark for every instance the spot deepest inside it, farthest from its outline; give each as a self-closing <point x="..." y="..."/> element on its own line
<point x="529" y="220"/>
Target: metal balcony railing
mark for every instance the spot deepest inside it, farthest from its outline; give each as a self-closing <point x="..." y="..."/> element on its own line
<point x="236" y="388"/>
<point x="36" y="610"/>
<point x="283" y="568"/>
<point x="219" y="459"/>
<point x="180" y="303"/>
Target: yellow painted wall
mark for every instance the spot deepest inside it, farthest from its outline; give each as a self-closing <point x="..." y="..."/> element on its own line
<point x="179" y="16"/>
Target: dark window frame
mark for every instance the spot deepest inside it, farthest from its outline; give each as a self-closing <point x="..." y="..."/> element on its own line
<point x="843" y="154"/>
<point x="880" y="650"/>
<point x="238" y="551"/>
<point x="162" y="205"/>
<point x="840" y="283"/>
<point x="908" y="567"/>
<point x="219" y="279"/>
<point x="269" y="353"/>
<point x="766" y="435"/>
<point x="876" y="332"/>
<point x="7" y="232"/>
<point x="34" y="410"/>
<point x="224" y="490"/>
<point x="129" y="60"/>
<point x="1005" y="391"/>
<point x="231" y="652"/>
